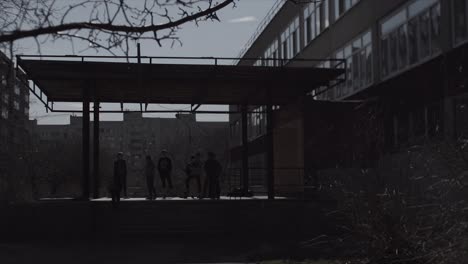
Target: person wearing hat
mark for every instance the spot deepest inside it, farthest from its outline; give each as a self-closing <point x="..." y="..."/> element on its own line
<point x="165" y="170"/>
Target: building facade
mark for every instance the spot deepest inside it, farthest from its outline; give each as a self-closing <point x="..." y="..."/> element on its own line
<point x="14" y="134"/>
<point x="136" y="136"/>
<point x="410" y="55"/>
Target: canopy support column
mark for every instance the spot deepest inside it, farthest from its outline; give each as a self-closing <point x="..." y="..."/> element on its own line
<point x="245" y="151"/>
<point x="85" y="144"/>
<point x="96" y="157"/>
<point x="270" y="148"/>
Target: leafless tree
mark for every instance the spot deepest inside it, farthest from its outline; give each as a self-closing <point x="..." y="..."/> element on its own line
<point x="110" y="25"/>
<point x="103" y="24"/>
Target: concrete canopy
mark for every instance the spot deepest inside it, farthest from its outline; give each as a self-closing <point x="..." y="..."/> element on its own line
<point x="117" y="82"/>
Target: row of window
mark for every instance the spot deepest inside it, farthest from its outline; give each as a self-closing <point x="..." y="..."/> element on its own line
<point x="316" y="19"/>
<point x="342" y="6"/>
<point x="359" y="66"/>
<point x="290" y="40"/>
<point x="410" y="36"/>
<point x="358" y="56"/>
<point x="272" y="53"/>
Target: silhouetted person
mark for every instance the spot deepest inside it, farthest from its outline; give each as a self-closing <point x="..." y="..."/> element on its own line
<point x="119" y="180"/>
<point x="165" y="169"/>
<point x="213" y="171"/>
<point x="149" y="172"/>
<point x="194" y="171"/>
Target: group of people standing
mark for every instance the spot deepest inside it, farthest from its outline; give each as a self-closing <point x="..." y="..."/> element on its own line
<point x="207" y="172"/>
<point x="212" y="171"/>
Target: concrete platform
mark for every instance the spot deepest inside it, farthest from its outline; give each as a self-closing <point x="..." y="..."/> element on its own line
<point x="165" y="219"/>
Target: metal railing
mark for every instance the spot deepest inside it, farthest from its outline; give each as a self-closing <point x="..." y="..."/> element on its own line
<point x="258" y="180"/>
<point x="263" y="24"/>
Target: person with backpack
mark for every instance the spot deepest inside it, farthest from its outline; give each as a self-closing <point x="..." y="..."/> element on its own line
<point x="165" y="170"/>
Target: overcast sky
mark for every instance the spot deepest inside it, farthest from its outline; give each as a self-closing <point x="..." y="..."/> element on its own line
<point x="217" y="39"/>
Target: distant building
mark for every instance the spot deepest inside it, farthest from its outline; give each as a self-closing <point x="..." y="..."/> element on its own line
<point x="14" y="115"/>
<point x="136" y="136"/>
<point x="408" y="54"/>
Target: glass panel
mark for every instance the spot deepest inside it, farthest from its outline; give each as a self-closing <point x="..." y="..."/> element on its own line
<point x="357" y="44"/>
<point x="424" y="44"/>
<point x="384" y="56"/>
<point x="393" y="22"/>
<point x="402" y="48"/>
<point x="413" y="40"/>
<point x="369" y="65"/>
<point x="350" y="65"/>
<point x="317" y="22"/>
<point x="312" y="25"/>
<point x="326" y="12"/>
<point x="367" y="39"/>
<point x="392" y="59"/>
<point x="435" y="29"/>
<point x="355" y="70"/>
<point x="295" y="43"/>
<point x="308" y="31"/>
<point x="460" y="26"/>
<point x="416" y="7"/>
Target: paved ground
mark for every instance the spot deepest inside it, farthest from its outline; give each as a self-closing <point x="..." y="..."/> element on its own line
<point x="131" y="252"/>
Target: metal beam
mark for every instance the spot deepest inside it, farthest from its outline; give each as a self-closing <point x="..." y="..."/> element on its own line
<point x="270" y="149"/>
<point x="96" y="158"/>
<point x="245" y="150"/>
<point x="85" y="144"/>
<point x="196" y="107"/>
<point x="154" y="111"/>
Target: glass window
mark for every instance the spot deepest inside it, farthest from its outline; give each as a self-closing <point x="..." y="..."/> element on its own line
<point x="308" y="31"/>
<point x="326" y="13"/>
<point x="384" y="56"/>
<point x="424" y="43"/>
<point x="312" y="25"/>
<point x="393" y="22"/>
<point x="418" y="6"/>
<point x="413" y="29"/>
<point x="17" y="89"/>
<point x="459" y="20"/>
<point x="16" y="105"/>
<point x="342" y="6"/>
<point x="435" y="29"/>
<point x="393" y="47"/>
<point x="369" y="65"/>
<point x="4" y="112"/>
<point x="402" y="48"/>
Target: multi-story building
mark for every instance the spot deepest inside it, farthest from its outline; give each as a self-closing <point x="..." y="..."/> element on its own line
<point x="408" y="54"/>
<point x="14" y="115"/>
<point x="136" y="136"/>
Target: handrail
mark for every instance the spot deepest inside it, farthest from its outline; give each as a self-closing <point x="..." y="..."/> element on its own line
<point x="150" y="58"/>
<point x="265" y="21"/>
